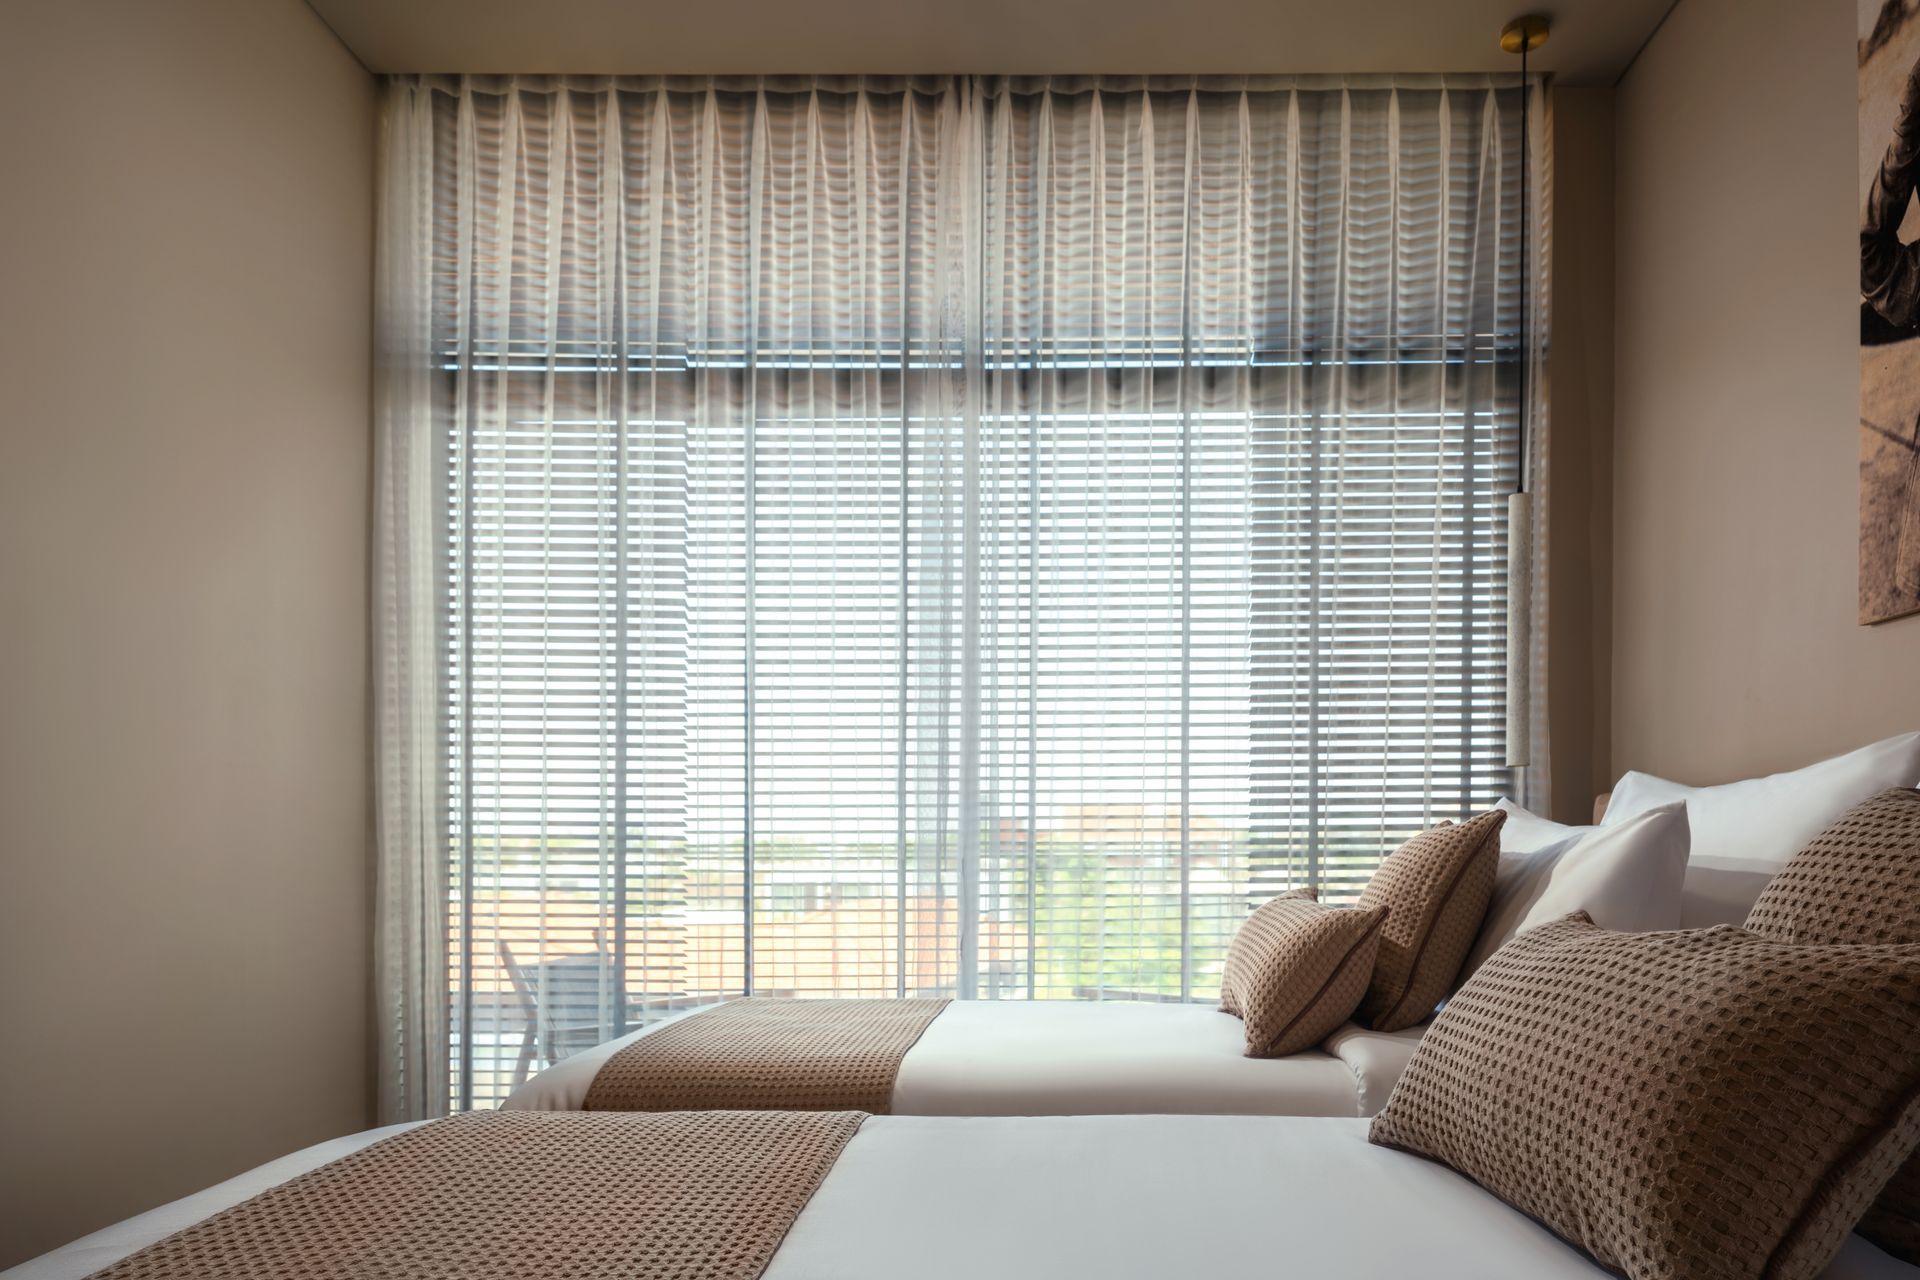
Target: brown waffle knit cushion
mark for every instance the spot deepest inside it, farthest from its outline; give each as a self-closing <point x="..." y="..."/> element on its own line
<point x="502" y="1195"/>
<point x="1296" y="971"/>
<point x="1436" y="888"/>
<point x="1859" y="881"/>
<point x="1695" y="1105"/>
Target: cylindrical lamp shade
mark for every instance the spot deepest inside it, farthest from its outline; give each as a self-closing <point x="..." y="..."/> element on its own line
<point x="1519" y="627"/>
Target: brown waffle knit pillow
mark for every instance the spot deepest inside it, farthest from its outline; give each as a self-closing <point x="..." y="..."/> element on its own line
<point x="1436" y="888"/>
<point x="1695" y="1105"/>
<point x="1859" y="881"/>
<point x="1296" y="971"/>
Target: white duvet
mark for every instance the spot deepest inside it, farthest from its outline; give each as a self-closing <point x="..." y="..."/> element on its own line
<point x="1106" y="1197"/>
<point x="1016" y="1058"/>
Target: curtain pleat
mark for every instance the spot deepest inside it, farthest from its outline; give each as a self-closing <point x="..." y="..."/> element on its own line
<point x="896" y="536"/>
<point x="411" y="863"/>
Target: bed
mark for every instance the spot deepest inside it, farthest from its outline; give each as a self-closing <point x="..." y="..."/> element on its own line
<point x="988" y="1058"/>
<point x="1008" y="1058"/>
<point x="943" y="1198"/>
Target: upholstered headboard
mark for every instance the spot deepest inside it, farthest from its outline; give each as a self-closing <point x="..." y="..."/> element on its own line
<point x="1600" y="806"/>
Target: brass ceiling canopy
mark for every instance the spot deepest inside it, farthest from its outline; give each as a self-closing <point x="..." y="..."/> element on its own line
<point x="1526" y="34"/>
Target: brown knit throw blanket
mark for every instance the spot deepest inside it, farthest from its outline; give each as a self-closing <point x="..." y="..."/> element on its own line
<point x="503" y="1195"/>
<point x="768" y="1054"/>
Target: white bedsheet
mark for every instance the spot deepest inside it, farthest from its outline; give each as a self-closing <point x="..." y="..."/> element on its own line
<point x="1112" y="1197"/>
<point x="1292" y="1198"/>
<point x="1008" y="1058"/>
<point x="1376" y="1060"/>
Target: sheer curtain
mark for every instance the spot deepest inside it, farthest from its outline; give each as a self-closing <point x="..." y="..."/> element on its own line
<point x="875" y="537"/>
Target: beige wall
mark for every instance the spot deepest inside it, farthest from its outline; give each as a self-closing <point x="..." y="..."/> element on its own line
<point x="1580" y="376"/>
<point x="1735" y="489"/>
<point x="184" y="316"/>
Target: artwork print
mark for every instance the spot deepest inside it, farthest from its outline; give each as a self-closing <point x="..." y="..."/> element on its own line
<point x="1889" y="56"/>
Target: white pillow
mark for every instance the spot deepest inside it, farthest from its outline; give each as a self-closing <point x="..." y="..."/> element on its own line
<point x="1528" y="832"/>
<point x="1744" y="832"/>
<point x="1626" y="876"/>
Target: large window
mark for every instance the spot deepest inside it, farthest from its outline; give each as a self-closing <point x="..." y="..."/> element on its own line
<point x="970" y="537"/>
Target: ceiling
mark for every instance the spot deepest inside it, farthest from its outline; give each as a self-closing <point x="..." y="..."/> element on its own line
<point x="1593" y="40"/>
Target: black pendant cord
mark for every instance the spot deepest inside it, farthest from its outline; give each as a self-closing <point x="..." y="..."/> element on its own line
<point x="1526" y="285"/>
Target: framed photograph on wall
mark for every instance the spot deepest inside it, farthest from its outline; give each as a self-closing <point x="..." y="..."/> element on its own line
<point x="1889" y="54"/>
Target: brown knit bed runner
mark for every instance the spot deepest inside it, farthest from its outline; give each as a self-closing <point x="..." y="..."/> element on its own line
<point x="768" y="1054"/>
<point x="509" y="1194"/>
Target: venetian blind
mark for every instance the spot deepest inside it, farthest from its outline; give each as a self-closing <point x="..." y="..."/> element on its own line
<point x="965" y="536"/>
